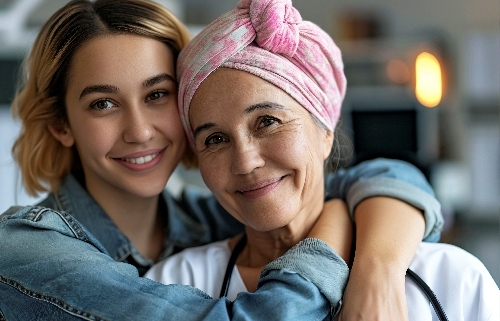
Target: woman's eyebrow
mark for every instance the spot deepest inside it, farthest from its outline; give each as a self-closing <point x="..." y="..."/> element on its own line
<point x="150" y="82"/>
<point x="201" y="128"/>
<point x="264" y="105"/>
<point x="107" y="89"/>
<point x="110" y="89"/>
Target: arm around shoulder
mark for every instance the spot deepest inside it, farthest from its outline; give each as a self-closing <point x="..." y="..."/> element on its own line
<point x="390" y="178"/>
<point x="61" y="270"/>
<point x="394" y="208"/>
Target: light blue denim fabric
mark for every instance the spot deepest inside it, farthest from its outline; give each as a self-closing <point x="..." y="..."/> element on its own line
<point x="58" y="271"/>
<point x="192" y="220"/>
<point x="54" y="266"/>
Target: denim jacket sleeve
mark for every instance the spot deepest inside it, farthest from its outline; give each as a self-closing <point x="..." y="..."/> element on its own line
<point x="53" y="269"/>
<point x="392" y="178"/>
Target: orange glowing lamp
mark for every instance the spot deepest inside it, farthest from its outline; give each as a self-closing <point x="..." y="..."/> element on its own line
<point x="429" y="84"/>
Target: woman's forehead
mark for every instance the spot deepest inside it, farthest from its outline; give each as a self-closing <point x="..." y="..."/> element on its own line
<point x="120" y="59"/>
<point x="231" y="86"/>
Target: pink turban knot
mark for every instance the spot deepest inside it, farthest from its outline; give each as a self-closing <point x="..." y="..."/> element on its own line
<point x="269" y="39"/>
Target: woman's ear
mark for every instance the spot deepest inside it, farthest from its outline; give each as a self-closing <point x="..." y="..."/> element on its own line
<point x="327" y="144"/>
<point x="63" y="134"/>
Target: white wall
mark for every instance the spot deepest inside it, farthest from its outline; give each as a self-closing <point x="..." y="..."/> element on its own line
<point x="12" y="192"/>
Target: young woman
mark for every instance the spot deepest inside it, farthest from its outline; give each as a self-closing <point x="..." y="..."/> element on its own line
<point x="261" y="142"/>
<point x="102" y="133"/>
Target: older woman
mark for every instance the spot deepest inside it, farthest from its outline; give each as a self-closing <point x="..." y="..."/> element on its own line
<point x="260" y="96"/>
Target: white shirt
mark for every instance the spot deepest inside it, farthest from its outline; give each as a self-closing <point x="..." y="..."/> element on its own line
<point x="460" y="281"/>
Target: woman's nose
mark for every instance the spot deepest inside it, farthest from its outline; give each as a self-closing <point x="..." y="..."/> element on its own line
<point x="138" y="126"/>
<point x="246" y="156"/>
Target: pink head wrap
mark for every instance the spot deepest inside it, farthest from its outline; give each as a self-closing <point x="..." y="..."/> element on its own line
<point x="269" y="39"/>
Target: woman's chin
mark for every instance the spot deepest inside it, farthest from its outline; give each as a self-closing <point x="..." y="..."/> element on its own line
<point x="268" y="225"/>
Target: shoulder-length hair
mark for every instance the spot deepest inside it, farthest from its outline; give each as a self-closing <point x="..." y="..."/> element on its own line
<point x="39" y="101"/>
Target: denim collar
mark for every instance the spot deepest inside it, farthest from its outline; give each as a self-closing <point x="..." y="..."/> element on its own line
<point x="181" y="231"/>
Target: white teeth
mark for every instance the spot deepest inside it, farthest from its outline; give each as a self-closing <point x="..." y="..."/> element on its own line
<point x="141" y="160"/>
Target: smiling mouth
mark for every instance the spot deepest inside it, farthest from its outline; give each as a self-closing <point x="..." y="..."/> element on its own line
<point x="260" y="189"/>
<point x="140" y="160"/>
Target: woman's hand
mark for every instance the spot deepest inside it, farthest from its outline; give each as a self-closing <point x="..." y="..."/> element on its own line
<point x="388" y="232"/>
<point x="335" y="227"/>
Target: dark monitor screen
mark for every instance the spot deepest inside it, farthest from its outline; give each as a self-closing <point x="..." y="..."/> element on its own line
<point x="389" y="133"/>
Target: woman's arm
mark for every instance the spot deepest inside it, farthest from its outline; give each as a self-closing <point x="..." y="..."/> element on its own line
<point x="387" y="237"/>
<point x="52" y="266"/>
<point x="385" y="246"/>
<point x="393" y="207"/>
<point x="334" y="227"/>
<point x="391" y="178"/>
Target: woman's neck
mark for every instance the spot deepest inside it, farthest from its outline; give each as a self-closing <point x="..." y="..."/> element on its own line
<point x="136" y="217"/>
<point x="264" y="247"/>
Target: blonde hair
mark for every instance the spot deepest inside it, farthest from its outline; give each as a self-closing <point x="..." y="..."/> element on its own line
<point x="39" y="102"/>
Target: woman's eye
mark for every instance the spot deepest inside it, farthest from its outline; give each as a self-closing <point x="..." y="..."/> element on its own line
<point x="215" y="140"/>
<point x="102" y="105"/>
<point x="156" y="95"/>
<point x="267" y="121"/>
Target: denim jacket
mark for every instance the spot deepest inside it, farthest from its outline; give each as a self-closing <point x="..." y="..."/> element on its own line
<point x="193" y="219"/>
<point x="67" y="260"/>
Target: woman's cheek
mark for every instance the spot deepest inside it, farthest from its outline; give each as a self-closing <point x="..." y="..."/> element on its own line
<point x="210" y="172"/>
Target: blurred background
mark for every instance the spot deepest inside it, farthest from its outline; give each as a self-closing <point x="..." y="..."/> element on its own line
<point x="423" y="86"/>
